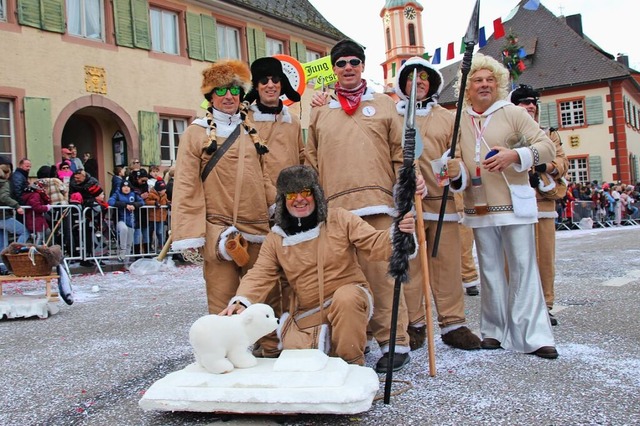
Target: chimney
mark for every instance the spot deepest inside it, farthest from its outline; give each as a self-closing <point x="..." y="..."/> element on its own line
<point x="623" y="59"/>
<point x="575" y="23"/>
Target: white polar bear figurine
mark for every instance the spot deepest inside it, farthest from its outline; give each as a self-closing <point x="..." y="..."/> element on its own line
<point x="221" y="343"/>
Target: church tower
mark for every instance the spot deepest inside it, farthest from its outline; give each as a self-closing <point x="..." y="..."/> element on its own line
<point x="402" y="22"/>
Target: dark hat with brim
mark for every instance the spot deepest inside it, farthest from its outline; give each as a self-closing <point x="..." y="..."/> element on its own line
<point x="269" y="66"/>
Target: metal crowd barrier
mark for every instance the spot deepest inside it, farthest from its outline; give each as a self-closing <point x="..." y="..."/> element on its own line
<point x="579" y="210"/>
<point x="88" y="234"/>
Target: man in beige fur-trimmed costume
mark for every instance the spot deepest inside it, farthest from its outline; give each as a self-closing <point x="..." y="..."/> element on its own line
<point x="499" y="143"/>
<point x="355" y="145"/>
<point x="234" y="197"/>
<point x="315" y="247"/>
<point x="548" y="181"/>
<point x="273" y="120"/>
<point x="435" y="127"/>
<point x="282" y="132"/>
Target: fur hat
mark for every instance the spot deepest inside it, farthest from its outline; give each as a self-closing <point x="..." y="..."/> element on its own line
<point x="523" y="92"/>
<point x="295" y="179"/>
<point x="346" y="47"/>
<point x="224" y="73"/>
<point x="435" y="77"/>
<point x="269" y="66"/>
<point x="160" y="185"/>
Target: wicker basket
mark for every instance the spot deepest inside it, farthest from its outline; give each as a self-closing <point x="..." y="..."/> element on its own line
<point x="22" y="266"/>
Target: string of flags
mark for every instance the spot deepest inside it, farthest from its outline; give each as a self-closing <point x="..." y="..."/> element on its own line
<point x="498" y="33"/>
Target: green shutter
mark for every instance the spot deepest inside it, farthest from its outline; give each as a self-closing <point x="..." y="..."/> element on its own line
<point x="595" y="113"/>
<point x="53" y="16"/>
<point x="194" y="36"/>
<point x="141" y="35"/>
<point x="210" y="38"/>
<point x="39" y="130"/>
<point x="595" y="168"/>
<point x="299" y="51"/>
<point x="548" y="115"/>
<point x="29" y="13"/>
<point x="256" y="44"/>
<point x="124" y="22"/>
<point x="149" y="128"/>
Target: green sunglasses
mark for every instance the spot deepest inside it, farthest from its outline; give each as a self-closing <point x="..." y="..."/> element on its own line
<point x="221" y="91"/>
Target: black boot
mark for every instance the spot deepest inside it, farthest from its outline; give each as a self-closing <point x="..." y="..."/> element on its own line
<point x="399" y="361"/>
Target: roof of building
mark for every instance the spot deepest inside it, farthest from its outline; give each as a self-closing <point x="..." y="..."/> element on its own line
<point x="297" y="12"/>
<point x="389" y="4"/>
<point x="557" y="55"/>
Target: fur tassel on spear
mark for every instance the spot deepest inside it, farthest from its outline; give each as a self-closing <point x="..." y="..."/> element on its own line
<point x="403" y="244"/>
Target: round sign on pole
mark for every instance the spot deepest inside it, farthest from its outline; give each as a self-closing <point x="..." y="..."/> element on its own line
<point x="294" y="72"/>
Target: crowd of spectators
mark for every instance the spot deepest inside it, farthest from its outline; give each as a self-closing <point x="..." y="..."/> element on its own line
<point x="27" y="203"/>
<point x="610" y="202"/>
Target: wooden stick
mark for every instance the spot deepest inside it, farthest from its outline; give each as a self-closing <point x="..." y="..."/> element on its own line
<point x="55" y="228"/>
<point x="165" y="249"/>
<point x="422" y="252"/>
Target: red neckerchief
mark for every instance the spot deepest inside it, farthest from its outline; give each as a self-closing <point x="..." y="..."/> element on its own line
<point x="350" y="98"/>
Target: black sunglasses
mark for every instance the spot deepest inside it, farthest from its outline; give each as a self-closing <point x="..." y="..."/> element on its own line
<point x="527" y="102"/>
<point x="341" y="63"/>
<point x="265" y="80"/>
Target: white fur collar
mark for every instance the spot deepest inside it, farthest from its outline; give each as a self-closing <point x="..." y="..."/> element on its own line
<point x="401" y="107"/>
<point x="225" y="123"/>
<point x="258" y="115"/>
<point x="493" y="108"/>
<point x="292" y="240"/>
<point x="367" y="96"/>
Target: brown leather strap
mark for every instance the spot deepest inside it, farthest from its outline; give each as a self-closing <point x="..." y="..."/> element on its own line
<point x="219" y="153"/>
<point x="320" y="264"/>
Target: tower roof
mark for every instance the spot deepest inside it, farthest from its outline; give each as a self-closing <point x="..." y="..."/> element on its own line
<point x="389" y="4"/>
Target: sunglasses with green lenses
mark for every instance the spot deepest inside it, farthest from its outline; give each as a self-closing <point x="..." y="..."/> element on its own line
<point x="221" y="91"/>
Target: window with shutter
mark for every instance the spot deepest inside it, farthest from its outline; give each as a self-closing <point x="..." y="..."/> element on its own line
<point x="194" y="36"/>
<point x="164" y="31"/>
<point x="7" y="128"/>
<point x="549" y="115"/>
<point x="299" y="51"/>
<point x="228" y="42"/>
<point x="595" y="168"/>
<point x="595" y="113"/>
<point x="85" y="18"/>
<point x="256" y="44"/>
<point x="170" y="130"/>
<point x="47" y="15"/>
<point x="209" y="38"/>
<point x="149" y="129"/>
<point x="38" y="130"/>
<point x="572" y="113"/>
<point x="132" y="23"/>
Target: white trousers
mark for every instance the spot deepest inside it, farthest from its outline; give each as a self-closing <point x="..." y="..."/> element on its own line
<point x="513" y="309"/>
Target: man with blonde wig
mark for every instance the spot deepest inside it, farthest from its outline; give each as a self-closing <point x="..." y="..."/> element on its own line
<point x="499" y="143"/>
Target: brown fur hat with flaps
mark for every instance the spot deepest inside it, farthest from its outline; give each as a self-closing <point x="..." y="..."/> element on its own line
<point x="295" y="179"/>
<point x="224" y="73"/>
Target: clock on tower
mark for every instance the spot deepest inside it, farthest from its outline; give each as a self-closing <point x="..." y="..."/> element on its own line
<point x="410" y="13"/>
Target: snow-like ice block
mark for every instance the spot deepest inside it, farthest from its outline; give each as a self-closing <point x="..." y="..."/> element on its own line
<point x="19" y="306"/>
<point x="335" y="388"/>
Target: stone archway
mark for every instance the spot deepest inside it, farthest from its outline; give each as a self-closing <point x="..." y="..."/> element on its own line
<point x="102" y="115"/>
